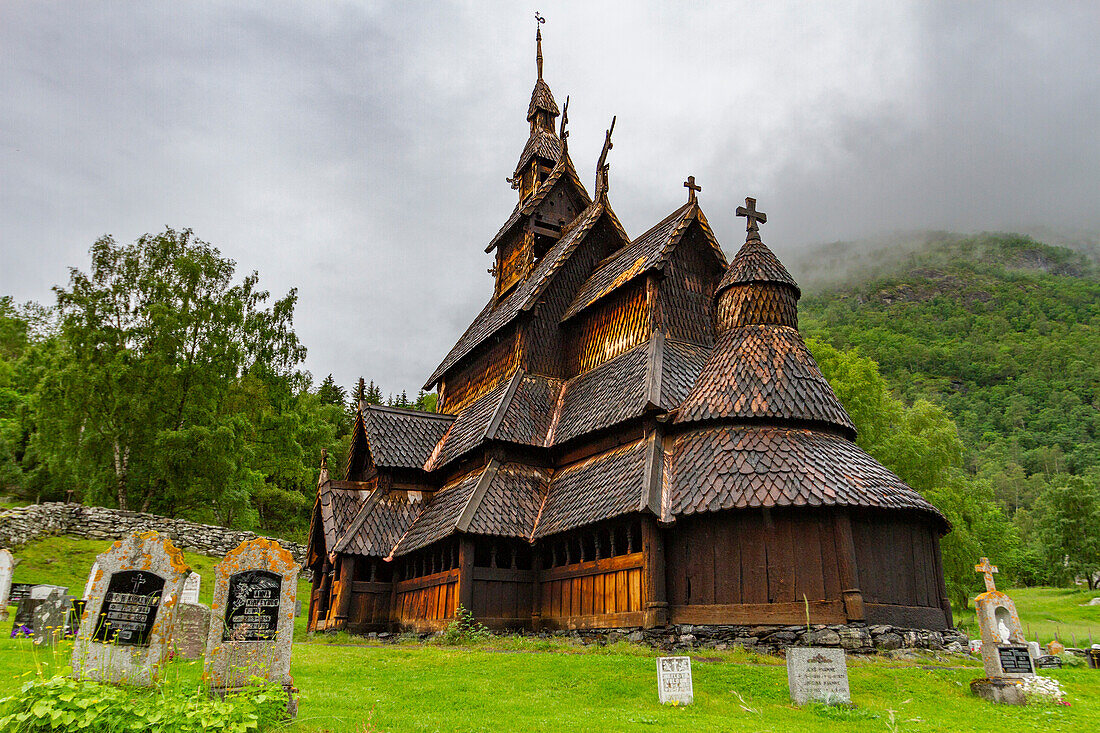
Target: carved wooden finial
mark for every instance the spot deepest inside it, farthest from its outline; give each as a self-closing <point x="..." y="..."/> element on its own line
<point x="988" y="570"/>
<point x="755" y="218"/>
<point x="601" y="165"/>
<point x="689" y="184"/>
<point x="539" y="20"/>
<point x="324" y="459"/>
<point x="562" y="132"/>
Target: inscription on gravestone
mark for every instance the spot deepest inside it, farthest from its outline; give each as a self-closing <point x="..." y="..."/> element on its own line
<point x="817" y="674"/>
<point x="252" y="608"/>
<point x="1015" y="659"/>
<point x="19" y="591"/>
<point x="674" y="680"/>
<point x="1048" y="662"/>
<point x="129" y="608"/>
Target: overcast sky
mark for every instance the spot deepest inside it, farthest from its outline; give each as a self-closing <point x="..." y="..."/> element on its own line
<point x="358" y="151"/>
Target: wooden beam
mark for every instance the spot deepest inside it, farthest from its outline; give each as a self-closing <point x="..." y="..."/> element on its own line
<point x="848" y="566"/>
<point x="787" y="614"/>
<point x="653" y="574"/>
<point x="346" y="568"/>
<point x="427" y="581"/>
<point x="595" y="621"/>
<point x="465" y="572"/>
<point x="594" y="567"/>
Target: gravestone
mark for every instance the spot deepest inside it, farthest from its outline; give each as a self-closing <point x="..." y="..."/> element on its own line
<point x="674" y="680"/>
<point x="131" y="611"/>
<point x="1048" y="662"/>
<point x="91" y="579"/>
<point x="7" y="566"/>
<point x="51" y="618"/>
<point x="19" y="591"/>
<point x="1056" y="647"/>
<point x="191" y="589"/>
<point x="23" y="624"/>
<point x="817" y="674"/>
<point x="1034" y="649"/>
<point x="1005" y="654"/>
<point x="192" y="630"/>
<point x="252" y="623"/>
<point x="1093" y="657"/>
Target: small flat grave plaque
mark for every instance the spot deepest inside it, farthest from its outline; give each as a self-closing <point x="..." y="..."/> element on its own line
<point x="129" y="608"/>
<point x="1048" y="662"/>
<point x="1015" y="660"/>
<point x="674" y="680"/>
<point x="817" y="675"/>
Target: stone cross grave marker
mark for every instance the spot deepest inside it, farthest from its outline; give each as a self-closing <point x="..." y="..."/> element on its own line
<point x="817" y="674"/>
<point x="1004" y="649"/>
<point x="7" y="566"/>
<point x="674" y="680"/>
<point x="131" y="612"/>
<point x="191" y="588"/>
<point x="91" y="580"/>
<point x="252" y="624"/>
<point x="51" y="618"/>
<point x="192" y="630"/>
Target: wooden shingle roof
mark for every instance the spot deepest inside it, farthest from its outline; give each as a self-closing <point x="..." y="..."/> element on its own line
<point x="754" y="262"/>
<point x="400" y="438"/>
<point x="735" y="467"/>
<point x="763" y="373"/>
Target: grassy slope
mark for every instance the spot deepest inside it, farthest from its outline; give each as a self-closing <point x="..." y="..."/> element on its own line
<point x="521" y="685"/>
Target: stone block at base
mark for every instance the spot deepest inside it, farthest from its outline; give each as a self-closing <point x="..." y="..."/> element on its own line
<point x="1004" y="691"/>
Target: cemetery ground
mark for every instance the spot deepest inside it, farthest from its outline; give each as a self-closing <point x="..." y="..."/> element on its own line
<point x="350" y="683"/>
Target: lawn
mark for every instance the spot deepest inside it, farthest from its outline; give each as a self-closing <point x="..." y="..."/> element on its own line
<point x="351" y="684"/>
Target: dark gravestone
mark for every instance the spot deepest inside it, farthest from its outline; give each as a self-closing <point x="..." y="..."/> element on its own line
<point x="1015" y="659"/>
<point x="19" y="591"/>
<point x="252" y="608"/>
<point x="23" y="625"/>
<point x="1093" y="656"/>
<point x="129" y="608"/>
<point x="1048" y="662"/>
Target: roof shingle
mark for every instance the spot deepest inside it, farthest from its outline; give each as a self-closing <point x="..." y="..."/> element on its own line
<point x="402" y="438"/>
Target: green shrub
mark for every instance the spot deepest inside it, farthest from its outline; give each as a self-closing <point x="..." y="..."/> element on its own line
<point x="64" y="704"/>
<point x="464" y="629"/>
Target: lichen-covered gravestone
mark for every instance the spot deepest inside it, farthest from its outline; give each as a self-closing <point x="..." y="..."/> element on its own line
<point x="192" y="630"/>
<point x="252" y="627"/>
<point x="131" y="612"/>
<point x="7" y="566"/>
<point x="51" y="617"/>
<point x="91" y="579"/>
<point x="1005" y="653"/>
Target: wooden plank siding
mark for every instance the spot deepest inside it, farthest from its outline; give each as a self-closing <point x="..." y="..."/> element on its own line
<point x="426" y="603"/>
<point x="502" y="597"/>
<point x="898" y="563"/>
<point x="749" y="561"/>
<point x="593" y="594"/>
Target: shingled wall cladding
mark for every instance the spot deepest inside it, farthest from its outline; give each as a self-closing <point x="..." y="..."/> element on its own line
<point x="26" y="524"/>
<point x="617" y="324"/>
<point x="687" y="310"/>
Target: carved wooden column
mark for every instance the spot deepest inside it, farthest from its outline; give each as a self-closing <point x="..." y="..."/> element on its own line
<point x="343" y="597"/>
<point x="655" y="598"/>
<point x="536" y="590"/>
<point x="849" y="570"/>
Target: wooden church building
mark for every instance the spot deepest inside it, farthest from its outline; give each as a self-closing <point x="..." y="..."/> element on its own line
<point x="631" y="433"/>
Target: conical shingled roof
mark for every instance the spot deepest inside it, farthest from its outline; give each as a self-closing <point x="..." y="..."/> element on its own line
<point x="754" y="262"/>
<point x="542" y="98"/>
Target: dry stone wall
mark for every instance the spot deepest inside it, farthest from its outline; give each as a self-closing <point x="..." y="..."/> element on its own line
<point x="25" y="524"/>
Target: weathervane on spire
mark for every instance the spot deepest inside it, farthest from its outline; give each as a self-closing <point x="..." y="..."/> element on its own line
<point x="601" y="165"/>
<point x="539" y="20"/>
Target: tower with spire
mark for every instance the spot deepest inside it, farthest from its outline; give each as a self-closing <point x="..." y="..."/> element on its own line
<point x="632" y="433"/>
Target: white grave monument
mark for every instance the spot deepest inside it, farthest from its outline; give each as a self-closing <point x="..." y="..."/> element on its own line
<point x="91" y="580"/>
<point x="191" y="588"/>
<point x="674" y="680"/>
<point x="817" y="674"/>
<point x="7" y="567"/>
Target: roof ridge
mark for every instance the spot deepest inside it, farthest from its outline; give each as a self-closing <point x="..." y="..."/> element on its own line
<point x="409" y="411"/>
<point x="502" y="406"/>
<point x="423" y="507"/>
<point x="361" y="516"/>
<point x="462" y="524"/>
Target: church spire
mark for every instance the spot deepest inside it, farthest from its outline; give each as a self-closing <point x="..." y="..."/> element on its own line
<point x="538" y="41"/>
<point x="543" y="147"/>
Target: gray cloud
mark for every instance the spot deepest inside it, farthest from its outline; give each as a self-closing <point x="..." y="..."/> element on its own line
<point x="358" y="152"/>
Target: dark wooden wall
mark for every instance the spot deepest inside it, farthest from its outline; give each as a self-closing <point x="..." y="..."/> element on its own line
<point x="686" y="292"/>
<point x="484" y="368"/>
<point x="611" y="326"/>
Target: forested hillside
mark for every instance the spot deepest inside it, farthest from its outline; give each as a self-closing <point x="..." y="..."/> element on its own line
<point x="1004" y="333"/>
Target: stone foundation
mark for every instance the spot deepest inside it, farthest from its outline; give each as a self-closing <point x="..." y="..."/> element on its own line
<point x="25" y="524"/>
<point x="855" y="638"/>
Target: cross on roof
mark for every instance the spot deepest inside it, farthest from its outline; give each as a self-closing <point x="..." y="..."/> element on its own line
<point x="749" y="212"/>
<point x="985" y="567"/>
<point x="689" y="184"/>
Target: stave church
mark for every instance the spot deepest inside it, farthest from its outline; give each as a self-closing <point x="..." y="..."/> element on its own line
<point x="631" y="433"/>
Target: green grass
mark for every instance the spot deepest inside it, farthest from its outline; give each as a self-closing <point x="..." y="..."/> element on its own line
<point x="1044" y="611"/>
<point x="518" y="684"/>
